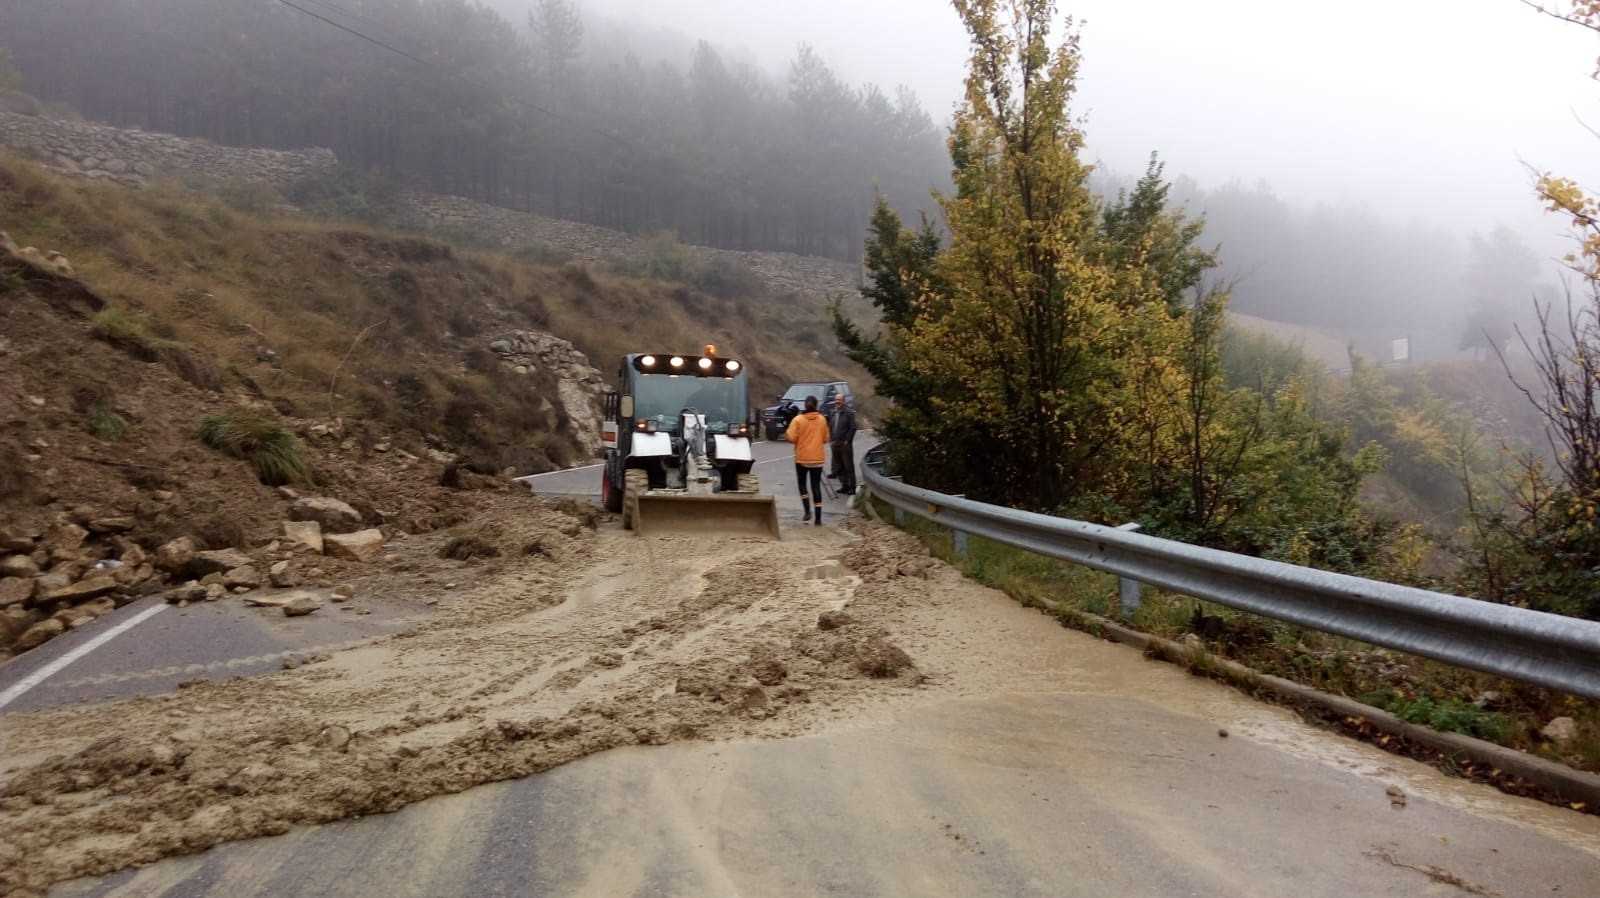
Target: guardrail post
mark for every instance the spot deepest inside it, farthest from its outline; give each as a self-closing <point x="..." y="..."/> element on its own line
<point x="1130" y="592"/>
<point x="958" y="543"/>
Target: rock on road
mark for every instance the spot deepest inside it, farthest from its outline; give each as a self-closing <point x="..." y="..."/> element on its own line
<point x="691" y="731"/>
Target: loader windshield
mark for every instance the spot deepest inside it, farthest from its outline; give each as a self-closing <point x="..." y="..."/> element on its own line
<point x="663" y="397"/>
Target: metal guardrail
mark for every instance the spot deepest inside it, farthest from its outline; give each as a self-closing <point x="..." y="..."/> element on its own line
<point x="1547" y="649"/>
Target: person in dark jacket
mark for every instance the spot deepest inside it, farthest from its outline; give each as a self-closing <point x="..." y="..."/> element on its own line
<point x="842" y="426"/>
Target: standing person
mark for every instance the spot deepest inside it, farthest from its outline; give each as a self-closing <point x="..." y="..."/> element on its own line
<point x="843" y="428"/>
<point x="809" y="434"/>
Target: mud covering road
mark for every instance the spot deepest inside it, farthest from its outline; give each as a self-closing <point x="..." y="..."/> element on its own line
<point x="941" y="728"/>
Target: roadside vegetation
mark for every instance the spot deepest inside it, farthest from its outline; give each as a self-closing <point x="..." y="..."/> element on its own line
<point x="1059" y="352"/>
<point x="1415" y="689"/>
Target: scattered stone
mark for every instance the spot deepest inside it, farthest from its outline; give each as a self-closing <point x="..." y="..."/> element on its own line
<point x="288" y="492"/>
<point x="18" y="566"/>
<point x="380" y="447"/>
<point x="84" y="589"/>
<point x="15" y="591"/>
<point x="301" y="605"/>
<point x="36" y="401"/>
<point x="213" y="577"/>
<point x="66" y="538"/>
<point x="1397" y="797"/>
<point x="282" y="575"/>
<point x="343" y="592"/>
<point x="218" y="561"/>
<point x="1562" y="731"/>
<point x="59" y="578"/>
<point x="132" y="555"/>
<point x="15" y="541"/>
<point x="245" y="577"/>
<point x="363" y="545"/>
<point x="188" y="592"/>
<point x="833" y="620"/>
<point x="39" y="634"/>
<point x="240" y="590"/>
<point x="304" y="533"/>
<point x="335" y="737"/>
<point x="334" y="516"/>
<point x="176" y="555"/>
<point x="1192" y="642"/>
<point x="119" y="524"/>
<point x="215" y="591"/>
<point x="1222" y="733"/>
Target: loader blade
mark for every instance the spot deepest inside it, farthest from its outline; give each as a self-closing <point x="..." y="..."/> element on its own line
<point x="728" y="514"/>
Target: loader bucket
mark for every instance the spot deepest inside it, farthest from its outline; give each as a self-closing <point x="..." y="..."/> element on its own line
<point x="727" y="514"/>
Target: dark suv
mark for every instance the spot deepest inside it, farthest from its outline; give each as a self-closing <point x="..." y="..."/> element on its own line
<point x="775" y="418"/>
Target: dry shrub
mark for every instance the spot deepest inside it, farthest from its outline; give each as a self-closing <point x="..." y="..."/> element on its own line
<point x="271" y="450"/>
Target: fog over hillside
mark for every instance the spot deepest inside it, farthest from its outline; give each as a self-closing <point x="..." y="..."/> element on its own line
<point x="1366" y="170"/>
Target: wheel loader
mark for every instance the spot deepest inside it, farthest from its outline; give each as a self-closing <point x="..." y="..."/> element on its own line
<point x="678" y="455"/>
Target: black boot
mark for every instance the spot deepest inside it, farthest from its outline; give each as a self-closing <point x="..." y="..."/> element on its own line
<point x="818" y="521"/>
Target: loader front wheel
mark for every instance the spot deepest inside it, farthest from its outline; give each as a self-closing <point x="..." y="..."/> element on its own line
<point x="634" y="482"/>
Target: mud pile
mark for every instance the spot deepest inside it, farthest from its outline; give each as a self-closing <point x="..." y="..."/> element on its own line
<point x="595" y="641"/>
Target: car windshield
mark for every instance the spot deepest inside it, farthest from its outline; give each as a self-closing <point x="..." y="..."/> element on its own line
<point x="799" y="392"/>
<point x="663" y="397"/>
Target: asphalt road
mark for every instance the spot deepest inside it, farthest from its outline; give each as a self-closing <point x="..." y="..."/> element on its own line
<point x="1052" y="789"/>
<point x="1029" y="795"/>
<point x="168" y="646"/>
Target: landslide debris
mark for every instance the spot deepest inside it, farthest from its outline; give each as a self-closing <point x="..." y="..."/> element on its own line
<point x="601" y="640"/>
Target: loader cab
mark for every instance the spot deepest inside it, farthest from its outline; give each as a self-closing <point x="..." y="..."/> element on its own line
<point x="679" y="427"/>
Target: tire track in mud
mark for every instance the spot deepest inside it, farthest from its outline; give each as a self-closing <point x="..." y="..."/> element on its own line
<point x="542" y="662"/>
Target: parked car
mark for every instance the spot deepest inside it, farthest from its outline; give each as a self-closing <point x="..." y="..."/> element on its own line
<point x="775" y="418"/>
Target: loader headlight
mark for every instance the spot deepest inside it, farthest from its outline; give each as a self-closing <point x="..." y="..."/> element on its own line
<point x="733" y="365"/>
<point x="676" y="361"/>
<point x="705" y="364"/>
<point x="739" y="430"/>
<point x="648" y="361"/>
<point x="645" y="426"/>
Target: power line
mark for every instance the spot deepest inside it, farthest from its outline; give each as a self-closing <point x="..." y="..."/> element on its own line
<point x="458" y="75"/>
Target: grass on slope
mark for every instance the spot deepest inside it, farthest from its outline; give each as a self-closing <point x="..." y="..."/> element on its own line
<point x="330" y="319"/>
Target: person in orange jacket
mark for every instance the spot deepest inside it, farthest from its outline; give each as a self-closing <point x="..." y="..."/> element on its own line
<point x="809" y="434"/>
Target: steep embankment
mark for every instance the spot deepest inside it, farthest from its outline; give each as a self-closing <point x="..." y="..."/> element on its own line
<point x="388" y="371"/>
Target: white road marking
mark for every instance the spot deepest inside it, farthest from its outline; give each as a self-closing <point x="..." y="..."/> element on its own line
<point x="562" y="471"/>
<point x="17" y="690"/>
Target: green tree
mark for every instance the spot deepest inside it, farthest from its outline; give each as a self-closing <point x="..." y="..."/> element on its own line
<point x="10" y="76"/>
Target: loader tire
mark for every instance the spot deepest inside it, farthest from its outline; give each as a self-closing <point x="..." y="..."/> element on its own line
<point x="634" y="482"/>
<point x="750" y="483"/>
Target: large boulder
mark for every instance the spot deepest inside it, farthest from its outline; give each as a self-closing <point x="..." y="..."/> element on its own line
<point x="39" y="634"/>
<point x="66" y="538"/>
<point x="303" y="533"/>
<point x="18" y="566"/>
<point x="363" y="545"/>
<point x="175" y="556"/>
<point x="334" y="516"/>
<point x="87" y="588"/>
<point x="217" y="561"/>
<point x="245" y="576"/>
<point x="15" y="591"/>
<point x="301" y="605"/>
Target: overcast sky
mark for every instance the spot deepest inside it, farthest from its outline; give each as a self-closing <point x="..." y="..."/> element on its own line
<point x="1421" y="109"/>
